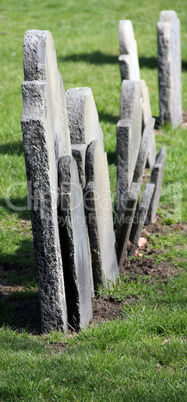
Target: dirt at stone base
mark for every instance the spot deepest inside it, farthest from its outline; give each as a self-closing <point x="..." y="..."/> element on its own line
<point x="27" y="309"/>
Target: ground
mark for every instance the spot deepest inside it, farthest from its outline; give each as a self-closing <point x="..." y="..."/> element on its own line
<point x="27" y="311"/>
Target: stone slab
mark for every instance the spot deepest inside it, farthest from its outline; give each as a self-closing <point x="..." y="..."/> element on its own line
<point x="128" y="46"/>
<point x="156" y="178"/>
<point x="146" y="115"/>
<point x="83" y="117"/>
<point x="79" y="154"/>
<point x="143" y="151"/>
<point x="169" y="68"/>
<point x="140" y="217"/>
<point x="128" y="140"/>
<point x="98" y="208"/>
<point x="125" y="67"/>
<point x="74" y="245"/>
<point x="45" y="138"/>
<point x="127" y="223"/>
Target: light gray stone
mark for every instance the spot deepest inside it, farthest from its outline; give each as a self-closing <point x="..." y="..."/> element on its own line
<point x="156" y="178"/>
<point x="98" y="208"/>
<point x="143" y="151"/>
<point x="83" y="117"/>
<point x="45" y="138"/>
<point x="129" y="64"/>
<point x="83" y="124"/>
<point x="74" y="245"/>
<point x="128" y="140"/>
<point x="140" y="217"/>
<point x="169" y="68"/>
<point x="128" y="217"/>
<point x="146" y="115"/>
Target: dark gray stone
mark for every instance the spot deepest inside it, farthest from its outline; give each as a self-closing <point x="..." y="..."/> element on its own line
<point x="143" y="151"/>
<point x="169" y="68"/>
<point x="156" y="178"/>
<point x="128" y="217"/>
<point x="129" y="64"/>
<point x="74" y="245"/>
<point x="45" y="138"/>
<point x="79" y="154"/>
<point x="140" y="217"/>
<point x="98" y="208"/>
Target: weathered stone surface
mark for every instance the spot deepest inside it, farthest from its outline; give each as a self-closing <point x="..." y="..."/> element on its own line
<point x="156" y="178"/>
<point x="146" y="115"/>
<point x="45" y="138"/>
<point x="143" y="151"/>
<point x="128" y="140"/>
<point x="129" y="66"/>
<point x="140" y="217"/>
<point x="79" y="154"/>
<point x="74" y="245"/>
<point x="127" y="223"/>
<point x="83" y="117"/>
<point x="169" y="67"/>
<point x="83" y="124"/>
<point x="98" y="208"/>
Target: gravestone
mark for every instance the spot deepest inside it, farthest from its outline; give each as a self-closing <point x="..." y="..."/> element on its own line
<point x="143" y="150"/>
<point x="140" y="217"/>
<point x="146" y="114"/>
<point x="74" y="245"/>
<point x="128" y="59"/>
<point x="128" y="140"/>
<point x="127" y="223"/>
<point x="83" y="125"/>
<point x="98" y="208"/>
<point x="169" y="67"/>
<point x="45" y="138"/>
<point x="156" y="178"/>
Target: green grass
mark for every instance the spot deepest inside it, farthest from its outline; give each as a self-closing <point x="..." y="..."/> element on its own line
<point x="142" y="355"/>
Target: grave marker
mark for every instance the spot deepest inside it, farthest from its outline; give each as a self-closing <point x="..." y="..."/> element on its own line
<point x="156" y="178"/>
<point x="128" y="140"/>
<point x="45" y="138"/>
<point x="169" y="68"/>
<point x="140" y="217"/>
<point x="128" y="59"/>
<point x="74" y="245"/>
<point x="146" y="115"/>
<point x="98" y="208"/>
<point x="127" y="223"/>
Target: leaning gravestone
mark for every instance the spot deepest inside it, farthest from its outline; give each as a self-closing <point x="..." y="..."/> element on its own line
<point x="128" y="140"/>
<point x="146" y="114"/>
<point x="98" y="208"/>
<point x="45" y="138"/>
<point x="140" y="217"/>
<point x="83" y="125"/>
<point x="74" y="245"/>
<point x="156" y="178"/>
<point x="128" y="59"/>
<point x="127" y="223"/>
<point x="169" y="68"/>
<point x="143" y="151"/>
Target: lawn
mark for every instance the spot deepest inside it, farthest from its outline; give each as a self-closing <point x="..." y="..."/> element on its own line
<point x="140" y="355"/>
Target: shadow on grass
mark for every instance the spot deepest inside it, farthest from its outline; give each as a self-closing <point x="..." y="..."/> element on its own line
<point x="19" y="300"/>
<point x="96" y="57"/>
<point x="109" y="118"/>
<point x="12" y="148"/>
<point x="111" y="157"/>
<point x="20" y="311"/>
<point x="16" y="205"/>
